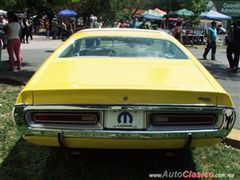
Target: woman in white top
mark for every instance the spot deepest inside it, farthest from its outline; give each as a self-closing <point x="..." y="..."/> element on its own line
<point x="14" y="43"/>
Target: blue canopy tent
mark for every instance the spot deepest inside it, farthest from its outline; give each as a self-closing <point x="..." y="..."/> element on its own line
<point x="151" y="16"/>
<point x="214" y="15"/>
<point x="67" y="12"/>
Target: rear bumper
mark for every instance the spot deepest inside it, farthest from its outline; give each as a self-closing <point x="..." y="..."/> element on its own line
<point x="103" y="143"/>
<point x="130" y="139"/>
<point x="124" y="139"/>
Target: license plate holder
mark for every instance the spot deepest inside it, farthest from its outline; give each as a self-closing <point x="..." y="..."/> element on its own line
<point x="124" y="120"/>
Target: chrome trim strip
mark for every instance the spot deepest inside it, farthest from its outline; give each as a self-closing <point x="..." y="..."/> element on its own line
<point x="114" y="134"/>
<point x="124" y="107"/>
<point x="130" y="105"/>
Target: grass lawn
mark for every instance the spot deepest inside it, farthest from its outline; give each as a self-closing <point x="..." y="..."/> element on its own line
<point x="22" y="160"/>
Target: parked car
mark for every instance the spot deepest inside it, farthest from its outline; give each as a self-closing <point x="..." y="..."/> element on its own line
<point x="123" y="88"/>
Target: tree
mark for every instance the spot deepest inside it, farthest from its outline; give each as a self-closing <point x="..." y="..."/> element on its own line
<point x="6" y="5"/>
<point x="108" y="9"/>
<point x="111" y="9"/>
<point x="125" y="8"/>
<point x="197" y="7"/>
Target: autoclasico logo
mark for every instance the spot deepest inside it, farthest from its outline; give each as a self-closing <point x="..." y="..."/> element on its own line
<point x="190" y="175"/>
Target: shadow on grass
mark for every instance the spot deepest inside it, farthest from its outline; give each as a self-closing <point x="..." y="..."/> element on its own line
<point x="26" y="161"/>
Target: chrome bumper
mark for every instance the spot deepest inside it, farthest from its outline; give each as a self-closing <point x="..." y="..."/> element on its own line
<point x="228" y="118"/>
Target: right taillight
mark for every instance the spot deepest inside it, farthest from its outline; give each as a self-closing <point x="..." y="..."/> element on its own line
<point x="182" y="119"/>
<point x="66" y="118"/>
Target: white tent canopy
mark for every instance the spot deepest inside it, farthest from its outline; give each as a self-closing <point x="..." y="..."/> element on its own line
<point x="2" y="12"/>
<point x="214" y="15"/>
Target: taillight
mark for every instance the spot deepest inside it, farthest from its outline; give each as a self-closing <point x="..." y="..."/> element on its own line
<point x="183" y="119"/>
<point x="69" y="118"/>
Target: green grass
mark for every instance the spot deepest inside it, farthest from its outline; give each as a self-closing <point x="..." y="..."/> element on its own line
<point x="22" y="160"/>
<point x="8" y="132"/>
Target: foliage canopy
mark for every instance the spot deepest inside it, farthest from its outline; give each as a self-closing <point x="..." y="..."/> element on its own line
<point x="108" y="9"/>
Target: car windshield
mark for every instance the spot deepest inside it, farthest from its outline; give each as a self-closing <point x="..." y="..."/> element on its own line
<point x="123" y="47"/>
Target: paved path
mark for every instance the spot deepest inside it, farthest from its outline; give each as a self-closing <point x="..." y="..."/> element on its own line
<point x="33" y="55"/>
<point x="40" y="48"/>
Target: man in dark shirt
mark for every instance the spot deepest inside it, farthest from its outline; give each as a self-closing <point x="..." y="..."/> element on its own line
<point x="230" y="48"/>
<point x="236" y="39"/>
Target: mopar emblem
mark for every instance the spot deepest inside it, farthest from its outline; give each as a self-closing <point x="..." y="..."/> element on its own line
<point x="125" y="117"/>
<point x="125" y="98"/>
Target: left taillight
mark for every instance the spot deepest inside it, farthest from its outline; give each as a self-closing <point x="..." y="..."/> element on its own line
<point x="66" y="118"/>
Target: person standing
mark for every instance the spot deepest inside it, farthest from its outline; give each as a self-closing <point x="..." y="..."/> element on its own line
<point x="47" y="27"/>
<point x="14" y="43"/>
<point x="177" y="31"/>
<point x="122" y="24"/>
<point x="64" y="32"/>
<point x="230" y="49"/>
<point x="92" y="19"/>
<point x="30" y="23"/>
<point x="211" y="43"/>
<point x="54" y="29"/>
<point x="25" y="31"/>
<point x="236" y="38"/>
<point x="101" y="22"/>
<point x="3" y="34"/>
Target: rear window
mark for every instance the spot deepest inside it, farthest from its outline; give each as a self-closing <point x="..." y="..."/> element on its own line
<point x="123" y="47"/>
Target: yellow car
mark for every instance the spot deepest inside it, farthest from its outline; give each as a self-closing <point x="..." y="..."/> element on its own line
<point x="123" y="88"/>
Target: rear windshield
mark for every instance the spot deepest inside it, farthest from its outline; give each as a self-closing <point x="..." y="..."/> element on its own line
<point x="123" y="47"/>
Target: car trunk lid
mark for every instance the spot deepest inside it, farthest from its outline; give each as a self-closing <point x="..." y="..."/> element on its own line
<point x="122" y="80"/>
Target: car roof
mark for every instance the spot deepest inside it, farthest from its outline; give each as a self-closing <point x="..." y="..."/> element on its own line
<point x="122" y="29"/>
<point x="125" y="31"/>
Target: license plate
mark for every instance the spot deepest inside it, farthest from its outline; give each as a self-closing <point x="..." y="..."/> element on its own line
<point x="124" y="120"/>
